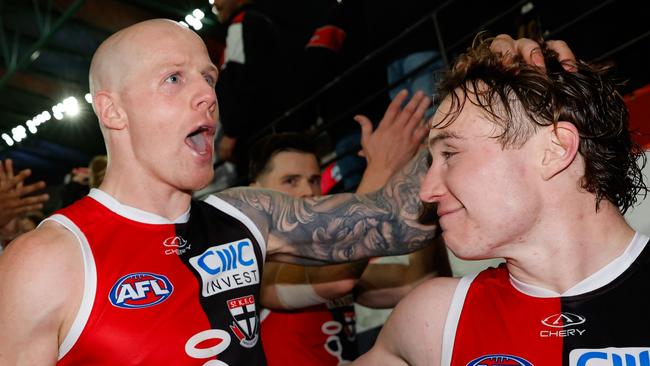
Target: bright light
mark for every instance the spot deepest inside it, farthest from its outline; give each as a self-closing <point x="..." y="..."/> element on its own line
<point x="194" y="22"/>
<point x="211" y="2"/>
<point x="89" y="98"/>
<point x="71" y="106"/>
<point x="198" y="14"/>
<point x="8" y="140"/>
<point x="18" y="133"/>
<point x="184" y="24"/>
<point x="57" y="111"/>
<point x="31" y="126"/>
<point x="190" y="19"/>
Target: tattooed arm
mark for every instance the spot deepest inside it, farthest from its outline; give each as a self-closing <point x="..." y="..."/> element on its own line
<point x="340" y="227"/>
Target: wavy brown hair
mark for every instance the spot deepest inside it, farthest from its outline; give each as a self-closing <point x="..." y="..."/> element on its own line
<point x="520" y="98"/>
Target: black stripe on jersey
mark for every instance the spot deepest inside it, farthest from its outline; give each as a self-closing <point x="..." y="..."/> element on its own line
<point x="615" y="315"/>
<point x="206" y="228"/>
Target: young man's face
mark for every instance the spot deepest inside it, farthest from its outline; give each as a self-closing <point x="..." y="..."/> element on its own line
<point x="294" y="173"/>
<point x="487" y="197"/>
<point x="171" y="106"/>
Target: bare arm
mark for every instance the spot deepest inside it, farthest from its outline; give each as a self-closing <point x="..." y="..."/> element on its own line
<point x="291" y="286"/>
<point x="341" y="227"/>
<point x="41" y="275"/>
<point x="413" y="333"/>
<point x="383" y="285"/>
<point x="390" y="146"/>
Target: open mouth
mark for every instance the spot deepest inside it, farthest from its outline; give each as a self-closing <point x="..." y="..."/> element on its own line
<point x="200" y="140"/>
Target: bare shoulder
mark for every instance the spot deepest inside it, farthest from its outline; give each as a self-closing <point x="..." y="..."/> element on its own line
<point x="414" y="330"/>
<point x="41" y="280"/>
<point x="48" y="245"/>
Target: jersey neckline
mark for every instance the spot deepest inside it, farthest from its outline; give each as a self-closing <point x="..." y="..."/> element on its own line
<point x="598" y="279"/>
<point x="133" y="213"/>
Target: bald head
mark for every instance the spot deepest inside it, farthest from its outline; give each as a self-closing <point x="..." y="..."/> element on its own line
<point x="118" y="56"/>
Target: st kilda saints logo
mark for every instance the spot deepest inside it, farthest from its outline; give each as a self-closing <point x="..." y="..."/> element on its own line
<point x="246" y="322"/>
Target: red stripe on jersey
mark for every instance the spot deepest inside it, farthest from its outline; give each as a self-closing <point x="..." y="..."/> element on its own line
<point x="115" y="335"/>
<point x="497" y="319"/>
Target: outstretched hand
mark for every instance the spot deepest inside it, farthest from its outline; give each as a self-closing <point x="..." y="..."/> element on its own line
<point x="531" y="51"/>
<point x="13" y="193"/>
<point x="395" y="141"/>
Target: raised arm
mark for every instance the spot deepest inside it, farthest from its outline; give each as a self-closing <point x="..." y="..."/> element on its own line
<point x="289" y="286"/>
<point x="340" y="227"/>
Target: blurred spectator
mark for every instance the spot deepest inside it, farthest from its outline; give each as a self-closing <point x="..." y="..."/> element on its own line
<point x="256" y="80"/>
<point x="97" y="170"/>
<point x="80" y="180"/>
<point x="15" y="199"/>
<point x="19" y="225"/>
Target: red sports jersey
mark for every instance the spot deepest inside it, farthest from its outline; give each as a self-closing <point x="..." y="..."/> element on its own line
<point x="318" y="335"/>
<point x="602" y="321"/>
<point x="158" y="292"/>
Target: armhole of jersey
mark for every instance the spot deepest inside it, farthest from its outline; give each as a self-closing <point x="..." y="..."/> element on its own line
<point x="453" y="316"/>
<point x="234" y="212"/>
<point x="90" y="285"/>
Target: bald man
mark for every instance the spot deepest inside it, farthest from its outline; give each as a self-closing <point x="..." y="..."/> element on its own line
<point x="137" y="272"/>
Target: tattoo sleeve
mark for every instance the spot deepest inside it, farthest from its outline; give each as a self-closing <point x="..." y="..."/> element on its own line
<point x="342" y="227"/>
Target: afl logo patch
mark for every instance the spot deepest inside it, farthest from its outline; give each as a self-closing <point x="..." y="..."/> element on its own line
<point x="499" y="360"/>
<point x="140" y="290"/>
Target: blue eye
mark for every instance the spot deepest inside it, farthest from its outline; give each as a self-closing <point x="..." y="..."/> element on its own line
<point x="173" y="79"/>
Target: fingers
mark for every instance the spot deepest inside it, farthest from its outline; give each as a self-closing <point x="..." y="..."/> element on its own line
<point x="9" y="168"/>
<point x="394" y="108"/>
<point x="415" y="119"/>
<point x="565" y="55"/>
<point x="366" y="128"/>
<point x="31" y="188"/>
<point x="3" y="175"/>
<point x="504" y="45"/>
<point x="527" y="48"/>
<point x="34" y="200"/>
<point x="531" y="52"/>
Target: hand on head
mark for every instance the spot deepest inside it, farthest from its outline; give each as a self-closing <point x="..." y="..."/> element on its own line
<point x="14" y="199"/>
<point x="531" y="51"/>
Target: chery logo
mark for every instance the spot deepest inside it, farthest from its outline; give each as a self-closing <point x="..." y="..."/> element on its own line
<point x="175" y="245"/>
<point x="563" y="320"/>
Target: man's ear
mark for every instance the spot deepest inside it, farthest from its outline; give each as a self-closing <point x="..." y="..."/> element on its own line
<point x="561" y="148"/>
<point x="108" y="111"/>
